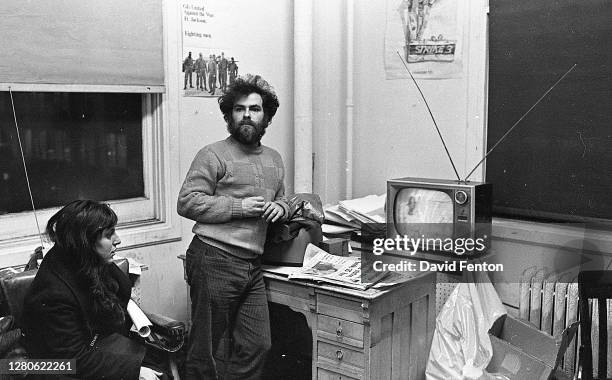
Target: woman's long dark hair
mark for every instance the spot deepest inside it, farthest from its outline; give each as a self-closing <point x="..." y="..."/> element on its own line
<point x="75" y="229"/>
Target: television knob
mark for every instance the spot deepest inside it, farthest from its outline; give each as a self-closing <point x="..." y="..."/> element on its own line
<point x="461" y="197"/>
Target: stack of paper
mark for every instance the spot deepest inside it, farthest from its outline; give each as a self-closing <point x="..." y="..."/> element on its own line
<point x="321" y="266"/>
<point x="369" y="209"/>
<point x="349" y="215"/>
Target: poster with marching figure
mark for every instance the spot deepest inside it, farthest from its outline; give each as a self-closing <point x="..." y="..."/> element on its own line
<point x="427" y="35"/>
<point x="209" y="62"/>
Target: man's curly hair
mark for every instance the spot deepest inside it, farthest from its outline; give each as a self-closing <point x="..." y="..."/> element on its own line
<point x="244" y="86"/>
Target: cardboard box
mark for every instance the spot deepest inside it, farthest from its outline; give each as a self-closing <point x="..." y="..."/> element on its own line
<point x="291" y="252"/>
<point x="521" y="351"/>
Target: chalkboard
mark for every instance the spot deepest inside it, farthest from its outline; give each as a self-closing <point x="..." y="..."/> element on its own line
<point x="557" y="163"/>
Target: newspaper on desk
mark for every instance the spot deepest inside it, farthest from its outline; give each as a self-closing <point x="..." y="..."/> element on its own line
<point x="340" y="270"/>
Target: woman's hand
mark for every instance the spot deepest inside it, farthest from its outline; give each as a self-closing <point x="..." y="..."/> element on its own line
<point x="147" y="373"/>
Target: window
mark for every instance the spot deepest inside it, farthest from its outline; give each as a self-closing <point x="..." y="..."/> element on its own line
<point x="93" y="114"/>
<point x="121" y="157"/>
<point x="76" y="145"/>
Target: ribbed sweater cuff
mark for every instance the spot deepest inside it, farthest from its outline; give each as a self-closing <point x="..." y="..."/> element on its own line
<point x="236" y="208"/>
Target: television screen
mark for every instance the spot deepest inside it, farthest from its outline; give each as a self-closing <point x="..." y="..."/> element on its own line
<point x="423" y="212"/>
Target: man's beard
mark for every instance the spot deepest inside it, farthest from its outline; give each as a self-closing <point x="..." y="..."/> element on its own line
<point x="247" y="132"/>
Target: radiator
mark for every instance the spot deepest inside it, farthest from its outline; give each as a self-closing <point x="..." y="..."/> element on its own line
<point x="550" y="302"/>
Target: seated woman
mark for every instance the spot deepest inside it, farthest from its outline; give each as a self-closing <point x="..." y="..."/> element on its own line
<point x="76" y="306"/>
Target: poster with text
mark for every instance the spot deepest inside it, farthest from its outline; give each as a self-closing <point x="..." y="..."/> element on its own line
<point x="426" y="36"/>
<point x="209" y="62"/>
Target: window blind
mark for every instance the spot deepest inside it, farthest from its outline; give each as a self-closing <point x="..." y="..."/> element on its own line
<point x="81" y="45"/>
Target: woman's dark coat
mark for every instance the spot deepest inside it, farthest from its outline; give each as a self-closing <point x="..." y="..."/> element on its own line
<point x="59" y="323"/>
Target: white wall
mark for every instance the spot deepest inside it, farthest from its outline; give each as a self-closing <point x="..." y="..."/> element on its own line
<point x="263" y="40"/>
<point x="392" y="111"/>
<point x="393" y="133"/>
<point x="329" y="97"/>
<point x="263" y="32"/>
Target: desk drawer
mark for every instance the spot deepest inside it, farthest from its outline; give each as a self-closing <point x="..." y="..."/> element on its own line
<point x="340" y="357"/>
<point x="323" y="374"/>
<point x="340" y="330"/>
<point x="348" y="309"/>
<point x="296" y="297"/>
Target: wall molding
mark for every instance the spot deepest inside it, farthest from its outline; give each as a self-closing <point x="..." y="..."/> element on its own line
<point x="567" y="236"/>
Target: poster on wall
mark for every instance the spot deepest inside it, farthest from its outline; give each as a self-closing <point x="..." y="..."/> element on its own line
<point x="426" y="35"/>
<point x="209" y="62"/>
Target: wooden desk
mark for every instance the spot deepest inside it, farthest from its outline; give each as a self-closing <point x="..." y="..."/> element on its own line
<point x="363" y="334"/>
<point x="368" y="335"/>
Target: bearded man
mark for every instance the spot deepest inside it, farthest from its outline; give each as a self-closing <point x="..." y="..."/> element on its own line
<point x="233" y="190"/>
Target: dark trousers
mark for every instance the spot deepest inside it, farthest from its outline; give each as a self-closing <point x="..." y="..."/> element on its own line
<point x="212" y="79"/>
<point x="188" y="76"/>
<point x="223" y="80"/>
<point x="201" y="80"/>
<point x="228" y="300"/>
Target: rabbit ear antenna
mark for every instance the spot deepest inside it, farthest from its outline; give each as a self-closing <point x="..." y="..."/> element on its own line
<point x="430" y="114"/>
<point x="25" y="168"/>
<point x="519" y="120"/>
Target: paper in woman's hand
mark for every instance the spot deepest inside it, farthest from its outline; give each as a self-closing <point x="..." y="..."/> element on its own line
<point x="142" y="324"/>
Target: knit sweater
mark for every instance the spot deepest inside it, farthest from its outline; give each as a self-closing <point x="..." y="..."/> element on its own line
<point x="222" y="174"/>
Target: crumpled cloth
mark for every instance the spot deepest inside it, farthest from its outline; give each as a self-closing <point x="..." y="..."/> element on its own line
<point x="306" y="206"/>
<point x="305" y="211"/>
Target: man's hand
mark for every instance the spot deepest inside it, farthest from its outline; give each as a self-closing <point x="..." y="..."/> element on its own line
<point x="253" y="206"/>
<point x="272" y="212"/>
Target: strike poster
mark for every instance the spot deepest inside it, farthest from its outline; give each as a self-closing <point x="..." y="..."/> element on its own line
<point x="427" y="35"/>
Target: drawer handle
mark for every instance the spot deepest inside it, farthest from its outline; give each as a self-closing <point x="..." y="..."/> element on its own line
<point x="339" y="354"/>
<point x="339" y="331"/>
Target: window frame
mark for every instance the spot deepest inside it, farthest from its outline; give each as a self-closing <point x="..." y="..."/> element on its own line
<point x="143" y="221"/>
<point x="576" y="237"/>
